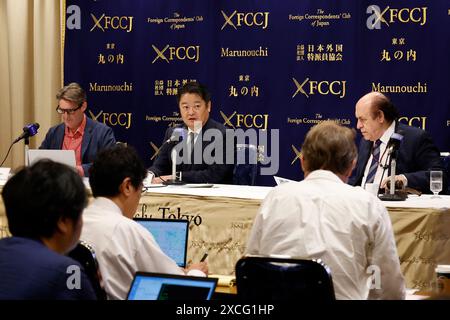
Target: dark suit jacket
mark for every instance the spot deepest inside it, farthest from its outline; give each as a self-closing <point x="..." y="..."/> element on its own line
<point x="30" y="270"/>
<point x="97" y="136"/>
<point x="195" y="173"/>
<point x="417" y="156"/>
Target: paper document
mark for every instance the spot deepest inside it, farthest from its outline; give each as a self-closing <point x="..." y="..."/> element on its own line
<point x="4" y="174"/>
<point x="280" y="180"/>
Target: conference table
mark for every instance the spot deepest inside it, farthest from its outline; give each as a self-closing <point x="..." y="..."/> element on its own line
<point x="221" y="218"/>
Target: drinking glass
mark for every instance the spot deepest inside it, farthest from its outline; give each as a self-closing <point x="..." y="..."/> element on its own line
<point x="436" y="183"/>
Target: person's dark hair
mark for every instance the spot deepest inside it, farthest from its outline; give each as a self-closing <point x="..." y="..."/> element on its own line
<point x="37" y="197"/>
<point x="384" y="104"/>
<point x="329" y="146"/>
<point x="196" y="88"/>
<point x="112" y="166"/>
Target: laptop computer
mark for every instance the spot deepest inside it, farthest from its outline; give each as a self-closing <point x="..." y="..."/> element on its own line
<point x="62" y="156"/>
<point x="171" y="236"/>
<point x="159" y="286"/>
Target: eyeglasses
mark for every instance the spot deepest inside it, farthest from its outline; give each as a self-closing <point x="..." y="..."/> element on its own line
<point x="196" y="107"/>
<point x="68" y="111"/>
<point x="144" y="190"/>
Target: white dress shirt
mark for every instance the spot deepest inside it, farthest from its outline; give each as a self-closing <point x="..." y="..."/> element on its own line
<point x="122" y="247"/>
<point x="196" y="133"/>
<point x="324" y="218"/>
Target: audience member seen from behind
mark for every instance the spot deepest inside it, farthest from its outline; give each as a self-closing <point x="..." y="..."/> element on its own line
<point x="77" y="132"/>
<point x="122" y="245"/>
<point x="43" y="205"/>
<point x="322" y="217"/>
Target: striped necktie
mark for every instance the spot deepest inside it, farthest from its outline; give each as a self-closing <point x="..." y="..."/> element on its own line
<point x="375" y="161"/>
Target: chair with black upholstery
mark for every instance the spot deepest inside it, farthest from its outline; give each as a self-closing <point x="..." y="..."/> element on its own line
<point x="85" y="255"/>
<point x="246" y="165"/>
<point x="273" y="278"/>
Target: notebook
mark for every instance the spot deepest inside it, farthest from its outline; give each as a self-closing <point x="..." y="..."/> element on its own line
<point x="62" y="156"/>
<point x="171" y="235"/>
<point x="158" y="286"/>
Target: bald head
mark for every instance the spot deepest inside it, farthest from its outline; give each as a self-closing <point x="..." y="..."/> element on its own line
<point x="375" y="113"/>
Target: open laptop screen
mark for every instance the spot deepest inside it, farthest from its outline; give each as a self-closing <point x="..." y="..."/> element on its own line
<point x="62" y="156"/>
<point x="157" y="286"/>
<point x="171" y="235"/>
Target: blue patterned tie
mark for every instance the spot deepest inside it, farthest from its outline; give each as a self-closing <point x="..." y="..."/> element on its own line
<point x="375" y="160"/>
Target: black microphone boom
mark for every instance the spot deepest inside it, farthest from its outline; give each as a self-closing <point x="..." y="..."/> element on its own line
<point x="28" y="131"/>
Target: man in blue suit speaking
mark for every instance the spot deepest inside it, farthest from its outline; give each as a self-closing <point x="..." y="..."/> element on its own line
<point x="417" y="155"/>
<point x="77" y="132"/>
<point x="194" y="101"/>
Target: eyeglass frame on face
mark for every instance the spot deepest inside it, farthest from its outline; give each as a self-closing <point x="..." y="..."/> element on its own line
<point x="195" y="107"/>
<point x="68" y="111"/>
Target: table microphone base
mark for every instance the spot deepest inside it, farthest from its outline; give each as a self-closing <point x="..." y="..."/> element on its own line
<point x="172" y="182"/>
<point x="392" y="197"/>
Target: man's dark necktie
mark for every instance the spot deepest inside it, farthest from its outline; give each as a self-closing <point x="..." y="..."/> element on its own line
<point x="191" y="146"/>
<point x="375" y="161"/>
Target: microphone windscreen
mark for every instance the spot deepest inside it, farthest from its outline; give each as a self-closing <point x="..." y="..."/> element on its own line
<point x="31" y="129"/>
<point x="395" y="141"/>
<point x="178" y="134"/>
<point x="397" y="136"/>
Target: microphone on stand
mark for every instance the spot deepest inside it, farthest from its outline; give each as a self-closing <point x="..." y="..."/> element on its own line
<point x="392" y="147"/>
<point x="28" y="131"/>
<point x="178" y="135"/>
<point x="394" y="143"/>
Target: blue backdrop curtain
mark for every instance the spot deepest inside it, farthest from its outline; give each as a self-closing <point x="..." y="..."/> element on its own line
<point x="269" y="64"/>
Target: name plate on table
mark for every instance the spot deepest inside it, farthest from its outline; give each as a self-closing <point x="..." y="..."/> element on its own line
<point x="4" y="174"/>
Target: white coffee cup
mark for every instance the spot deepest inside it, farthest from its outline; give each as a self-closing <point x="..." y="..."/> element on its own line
<point x="372" y="188"/>
<point x="443" y="279"/>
